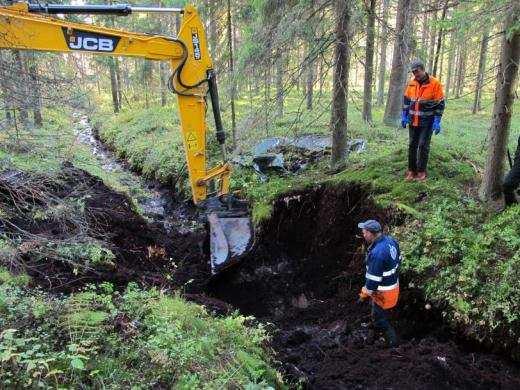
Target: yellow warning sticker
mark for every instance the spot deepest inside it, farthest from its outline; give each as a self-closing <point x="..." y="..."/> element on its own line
<point x="191" y="141"/>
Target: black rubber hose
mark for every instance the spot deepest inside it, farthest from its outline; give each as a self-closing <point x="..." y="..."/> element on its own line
<point x="213" y="92"/>
<point x="117" y="9"/>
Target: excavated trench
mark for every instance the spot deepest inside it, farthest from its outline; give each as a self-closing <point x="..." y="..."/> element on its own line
<point x="304" y="277"/>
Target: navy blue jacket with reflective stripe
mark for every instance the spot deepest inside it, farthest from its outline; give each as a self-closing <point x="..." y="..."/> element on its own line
<point x="382" y="263"/>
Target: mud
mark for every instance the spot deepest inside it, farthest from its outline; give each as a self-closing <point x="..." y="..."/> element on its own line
<point x="304" y="278"/>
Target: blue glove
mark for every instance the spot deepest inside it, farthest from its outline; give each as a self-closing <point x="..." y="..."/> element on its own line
<point x="405" y="118"/>
<point x="436" y="125"/>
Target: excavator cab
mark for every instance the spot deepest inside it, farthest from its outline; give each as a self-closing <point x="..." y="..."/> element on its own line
<point x="29" y="26"/>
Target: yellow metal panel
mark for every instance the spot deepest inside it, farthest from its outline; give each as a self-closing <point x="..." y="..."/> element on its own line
<point x="25" y="31"/>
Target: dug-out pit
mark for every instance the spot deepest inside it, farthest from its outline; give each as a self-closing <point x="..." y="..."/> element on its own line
<point x="304" y="277"/>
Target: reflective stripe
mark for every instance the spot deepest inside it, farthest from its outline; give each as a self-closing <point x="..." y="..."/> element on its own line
<point x="422" y="113"/>
<point x="428" y="101"/>
<point x="388" y="288"/>
<point x="391" y="272"/>
<point x="373" y="277"/>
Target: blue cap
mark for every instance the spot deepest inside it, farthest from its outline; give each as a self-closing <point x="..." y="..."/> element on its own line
<point x="371" y="225"/>
<point x="416" y="64"/>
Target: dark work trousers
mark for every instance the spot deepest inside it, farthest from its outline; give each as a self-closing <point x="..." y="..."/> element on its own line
<point x="380" y="323"/>
<point x="419" y="148"/>
<point x="512" y="180"/>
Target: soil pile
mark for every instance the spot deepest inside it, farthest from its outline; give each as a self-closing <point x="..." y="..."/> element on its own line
<point x="53" y="219"/>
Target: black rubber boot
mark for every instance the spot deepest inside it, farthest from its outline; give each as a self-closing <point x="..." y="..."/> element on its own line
<point x="391" y="337"/>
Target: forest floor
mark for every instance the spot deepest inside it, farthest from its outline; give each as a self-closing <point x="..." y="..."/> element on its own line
<point x="302" y="278"/>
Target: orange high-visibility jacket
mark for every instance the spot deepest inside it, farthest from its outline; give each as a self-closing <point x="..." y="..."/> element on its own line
<point x="423" y="101"/>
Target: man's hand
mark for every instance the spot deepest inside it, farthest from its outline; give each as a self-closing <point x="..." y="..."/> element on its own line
<point x="364" y="294"/>
<point x="436" y="125"/>
<point x="405" y="118"/>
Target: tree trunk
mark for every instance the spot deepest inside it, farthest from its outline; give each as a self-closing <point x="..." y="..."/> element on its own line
<point x="35" y="95"/>
<point x="338" y="122"/>
<point x="267" y="96"/>
<point x="433" y="34"/>
<point x="6" y="88"/>
<point x="461" y="68"/>
<point x="212" y="7"/>
<point x="164" y="83"/>
<point x="451" y="60"/>
<point x="113" y="85"/>
<point x="441" y="61"/>
<point x="491" y="187"/>
<point x="279" y="85"/>
<point x="322" y="74"/>
<point x="21" y="87"/>
<point x="399" y="64"/>
<point x="439" y="40"/>
<point x="369" y="62"/>
<point x="119" y="82"/>
<point x="310" y="61"/>
<point x="309" y="88"/>
<point x="231" y="74"/>
<point x="425" y="30"/>
<point x="382" y="58"/>
<point x="481" y="70"/>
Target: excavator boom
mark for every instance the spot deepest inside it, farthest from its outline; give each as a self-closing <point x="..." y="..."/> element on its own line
<point x="26" y="26"/>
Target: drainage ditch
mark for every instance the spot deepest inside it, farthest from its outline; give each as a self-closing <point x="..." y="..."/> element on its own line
<point x="302" y="280"/>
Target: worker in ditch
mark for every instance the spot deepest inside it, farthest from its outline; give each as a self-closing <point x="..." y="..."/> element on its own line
<point x="423" y="105"/>
<point x="382" y="277"/>
<point x="512" y="179"/>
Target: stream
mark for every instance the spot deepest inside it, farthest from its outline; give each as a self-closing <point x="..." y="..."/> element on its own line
<point x="155" y="201"/>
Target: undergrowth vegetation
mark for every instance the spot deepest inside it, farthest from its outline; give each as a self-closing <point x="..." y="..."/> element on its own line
<point x="100" y="336"/>
<point x="136" y="338"/>
<point x="151" y="141"/>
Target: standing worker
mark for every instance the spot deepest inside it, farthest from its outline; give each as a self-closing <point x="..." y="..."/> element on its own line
<point x="382" y="277"/>
<point x="512" y="180"/>
<point x="423" y="105"/>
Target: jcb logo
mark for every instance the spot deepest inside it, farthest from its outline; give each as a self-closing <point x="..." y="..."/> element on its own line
<point x="92" y="44"/>
<point x="87" y="41"/>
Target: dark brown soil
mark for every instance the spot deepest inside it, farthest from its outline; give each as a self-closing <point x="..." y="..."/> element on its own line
<point x="304" y="277"/>
<point x="144" y="252"/>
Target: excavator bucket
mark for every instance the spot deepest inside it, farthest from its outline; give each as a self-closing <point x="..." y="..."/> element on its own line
<point x="231" y="235"/>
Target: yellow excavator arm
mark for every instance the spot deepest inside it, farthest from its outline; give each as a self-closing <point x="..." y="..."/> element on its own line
<point x="27" y="26"/>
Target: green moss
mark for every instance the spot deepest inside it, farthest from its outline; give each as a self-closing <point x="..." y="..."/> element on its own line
<point x="149" y="139"/>
<point x="8" y="278"/>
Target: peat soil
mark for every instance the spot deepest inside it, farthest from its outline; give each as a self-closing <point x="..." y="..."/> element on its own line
<point x="304" y="277"/>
